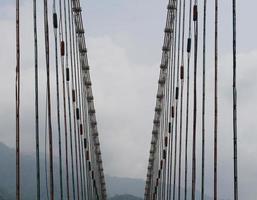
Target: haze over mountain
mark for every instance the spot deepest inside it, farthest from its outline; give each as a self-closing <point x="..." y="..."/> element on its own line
<point x="125" y="197"/>
<point x="118" y="188"/>
<point x="120" y="185"/>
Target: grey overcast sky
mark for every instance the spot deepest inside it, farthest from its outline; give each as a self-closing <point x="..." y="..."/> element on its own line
<point x="124" y="40"/>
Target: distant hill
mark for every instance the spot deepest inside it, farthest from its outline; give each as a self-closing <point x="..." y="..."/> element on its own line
<point x="121" y="185"/>
<point x="28" y="172"/>
<point x="125" y="197"/>
<point x="118" y="188"/>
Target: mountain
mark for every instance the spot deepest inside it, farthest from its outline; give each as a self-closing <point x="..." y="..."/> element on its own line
<point x="121" y="185"/>
<point x="116" y="186"/>
<point x="125" y="197"/>
<point x="28" y="174"/>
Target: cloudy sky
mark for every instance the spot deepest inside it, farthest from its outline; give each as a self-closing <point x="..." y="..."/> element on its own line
<point x="124" y="40"/>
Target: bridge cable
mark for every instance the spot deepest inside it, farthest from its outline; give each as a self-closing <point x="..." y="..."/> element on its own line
<point x="17" y="96"/>
<point x="78" y="110"/>
<point x="171" y="125"/>
<point x="84" y="133"/>
<point x="164" y="96"/>
<point x="78" y="107"/>
<point x="62" y="52"/>
<point x="169" y="114"/>
<point x="167" y="109"/>
<point x="235" y="101"/>
<point x="73" y="98"/>
<point x="170" y="117"/>
<point x="195" y="19"/>
<point x="55" y="26"/>
<point x="45" y="157"/>
<point x="189" y="41"/>
<point x="203" y="101"/>
<point x="36" y="99"/>
<point x="172" y="63"/>
<point x="181" y="99"/>
<point x="216" y="105"/>
<point x="46" y="27"/>
<point x="78" y="117"/>
<point x="88" y="156"/>
<point x="176" y="100"/>
<point x="81" y="128"/>
<point x="69" y="98"/>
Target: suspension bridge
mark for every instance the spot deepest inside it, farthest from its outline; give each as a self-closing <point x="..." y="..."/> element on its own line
<point x="180" y="112"/>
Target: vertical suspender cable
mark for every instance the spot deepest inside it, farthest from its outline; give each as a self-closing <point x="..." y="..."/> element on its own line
<point x="62" y="48"/>
<point x="77" y="108"/>
<point x="17" y="95"/>
<point x="187" y="97"/>
<point x="36" y="98"/>
<point x="73" y="97"/>
<point x="176" y="97"/>
<point x="80" y="118"/>
<point x="55" y="26"/>
<point x="83" y="141"/>
<point x="84" y="99"/>
<point x="46" y="152"/>
<point x="216" y="105"/>
<point x="168" y="36"/>
<point x="235" y="102"/>
<point x="88" y="148"/>
<point x="46" y="27"/>
<point x="170" y="128"/>
<point x="69" y="99"/>
<point x="161" y="149"/>
<point x="195" y="19"/>
<point x="203" y="101"/>
<point x="167" y="107"/>
<point x="173" y="64"/>
<point x="181" y="99"/>
<point x="169" y="157"/>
